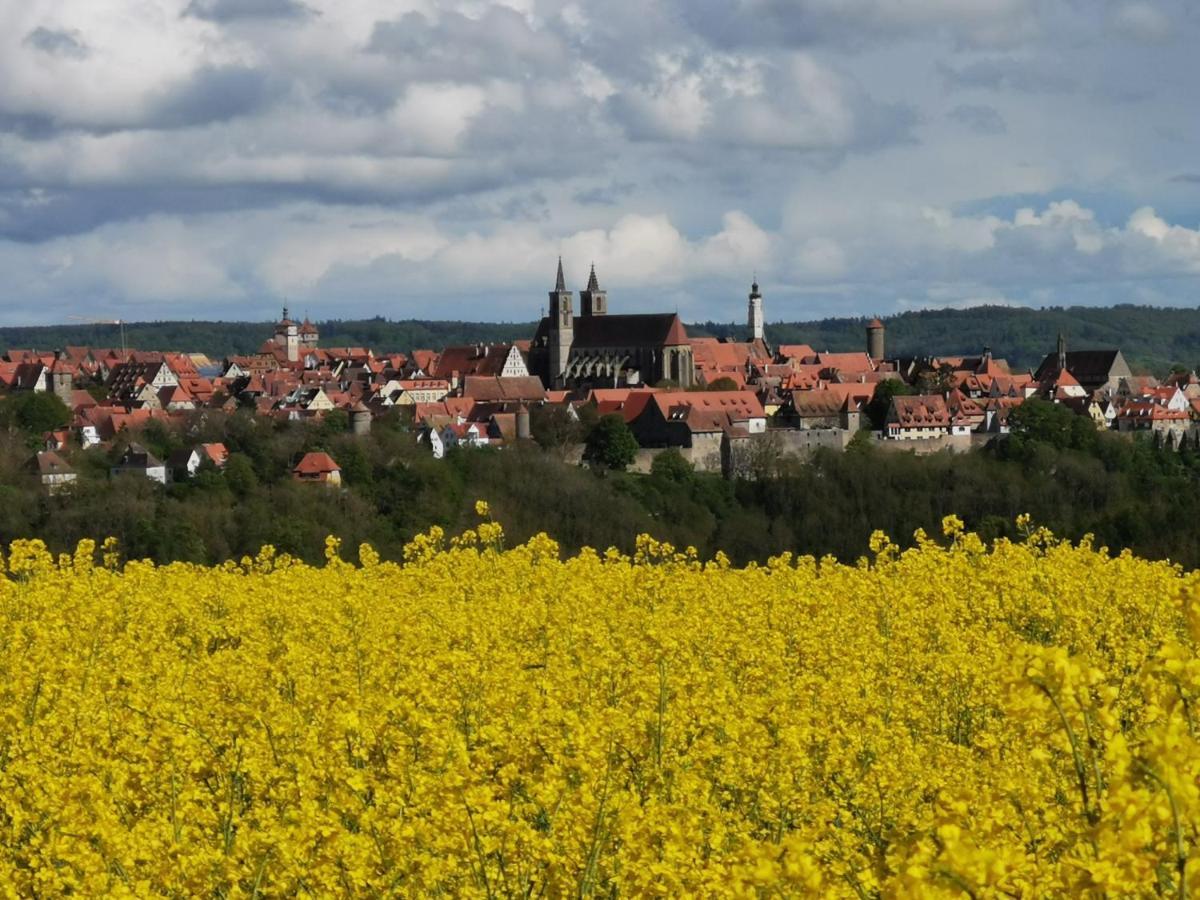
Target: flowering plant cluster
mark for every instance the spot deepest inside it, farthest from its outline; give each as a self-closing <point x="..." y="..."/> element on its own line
<point x="953" y="719"/>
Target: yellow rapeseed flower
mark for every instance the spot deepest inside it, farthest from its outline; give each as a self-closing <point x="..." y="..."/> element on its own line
<point x="955" y="719"/>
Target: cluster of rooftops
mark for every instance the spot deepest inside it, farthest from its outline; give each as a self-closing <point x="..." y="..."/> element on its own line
<point x="700" y="394"/>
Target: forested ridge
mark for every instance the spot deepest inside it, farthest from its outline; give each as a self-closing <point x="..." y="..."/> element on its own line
<point x="1152" y="338"/>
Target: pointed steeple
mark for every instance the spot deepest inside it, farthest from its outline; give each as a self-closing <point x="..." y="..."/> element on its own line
<point x="561" y="328"/>
<point x="592" y="300"/>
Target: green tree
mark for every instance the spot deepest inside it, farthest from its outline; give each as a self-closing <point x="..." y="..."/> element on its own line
<point x="671" y="465"/>
<point x="34" y="411"/>
<point x="1053" y="424"/>
<point x="611" y="444"/>
<point x="239" y="474"/>
<point x="881" y="402"/>
<point x="936" y="381"/>
<point x="356" y="468"/>
<point x="160" y="439"/>
<point x="554" y="428"/>
<point x="335" y="422"/>
<point x="724" y="383"/>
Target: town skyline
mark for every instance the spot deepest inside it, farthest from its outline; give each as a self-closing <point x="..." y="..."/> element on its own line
<point x="223" y="156"/>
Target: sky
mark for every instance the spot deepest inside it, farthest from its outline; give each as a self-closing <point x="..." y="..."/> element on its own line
<point x="216" y="159"/>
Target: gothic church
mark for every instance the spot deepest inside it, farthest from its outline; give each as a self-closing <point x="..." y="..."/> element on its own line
<point x="597" y="350"/>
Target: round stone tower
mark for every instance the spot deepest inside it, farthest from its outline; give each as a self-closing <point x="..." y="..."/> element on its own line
<point x="360" y="419"/>
<point x="875" y="339"/>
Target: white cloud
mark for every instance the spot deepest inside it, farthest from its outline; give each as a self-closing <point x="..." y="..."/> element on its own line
<point x="309" y="252"/>
<point x="376" y="153"/>
<point x="792" y="102"/>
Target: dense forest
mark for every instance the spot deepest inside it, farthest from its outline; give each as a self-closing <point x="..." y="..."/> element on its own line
<point x="1153" y="339"/>
<point x="1055" y="467"/>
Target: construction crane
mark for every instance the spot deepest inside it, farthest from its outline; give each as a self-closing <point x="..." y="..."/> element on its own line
<point x="118" y="322"/>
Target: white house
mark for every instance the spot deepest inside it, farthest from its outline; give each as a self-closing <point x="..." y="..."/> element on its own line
<point x="54" y="472"/>
<point x="137" y="460"/>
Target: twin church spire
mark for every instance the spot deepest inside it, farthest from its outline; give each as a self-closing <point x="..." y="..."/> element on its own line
<point x="593" y="301"/>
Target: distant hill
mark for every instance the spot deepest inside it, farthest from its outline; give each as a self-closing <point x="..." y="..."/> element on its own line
<point x="220" y="339"/>
<point x="1153" y="339"/>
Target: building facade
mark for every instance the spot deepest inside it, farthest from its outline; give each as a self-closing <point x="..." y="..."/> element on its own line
<point x="596" y="349"/>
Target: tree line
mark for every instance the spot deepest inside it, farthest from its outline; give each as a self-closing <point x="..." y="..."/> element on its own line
<point x="1153" y="339"/>
<point x="1128" y="493"/>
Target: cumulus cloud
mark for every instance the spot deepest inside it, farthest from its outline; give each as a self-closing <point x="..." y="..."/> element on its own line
<point x="335" y="257"/>
<point x="57" y="42"/>
<point x="795" y="102"/>
<point x="974" y="22"/>
<point x="1061" y="244"/>
<point x="499" y="42"/>
<point x="226" y="153"/>
<point x="233" y="10"/>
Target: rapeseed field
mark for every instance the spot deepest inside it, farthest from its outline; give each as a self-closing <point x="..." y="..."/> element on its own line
<point x="954" y="719"/>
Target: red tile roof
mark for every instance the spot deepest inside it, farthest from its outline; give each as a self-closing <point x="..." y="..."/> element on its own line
<point x="481" y="388"/>
<point x="921" y="411"/>
<point x="316" y="463"/>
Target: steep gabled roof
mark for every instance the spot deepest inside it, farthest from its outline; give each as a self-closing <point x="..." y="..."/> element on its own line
<point x="798" y="353"/>
<point x="639" y="330"/>
<point x="625" y="402"/>
<point x="920" y="411"/>
<point x="316" y="463"/>
<point x="138" y="457"/>
<point x="481" y="388"/>
<point x="845" y="362"/>
<point x="469" y="359"/>
<point x="50" y="463"/>
<point x="1089" y="366"/>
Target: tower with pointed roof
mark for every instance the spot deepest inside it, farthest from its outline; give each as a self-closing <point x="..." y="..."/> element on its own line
<point x="287" y="336"/>
<point x="62" y="382"/>
<point x="562" y="326"/>
<point x="602" y="350"/>
<point x="308" y="334"/>
<point x="592" y="300"/>
<point x="754" y="316"/>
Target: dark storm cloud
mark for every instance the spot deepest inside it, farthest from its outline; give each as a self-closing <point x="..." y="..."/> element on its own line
<point x="208" y="95"/>
<point x="30" y="126"/>
<point x="1186" y="178"/>
<point x="233" y="10"/>
<point x="57" y="42"/>
<point x="213" y="94"/>
<point x="34" y="215"/>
